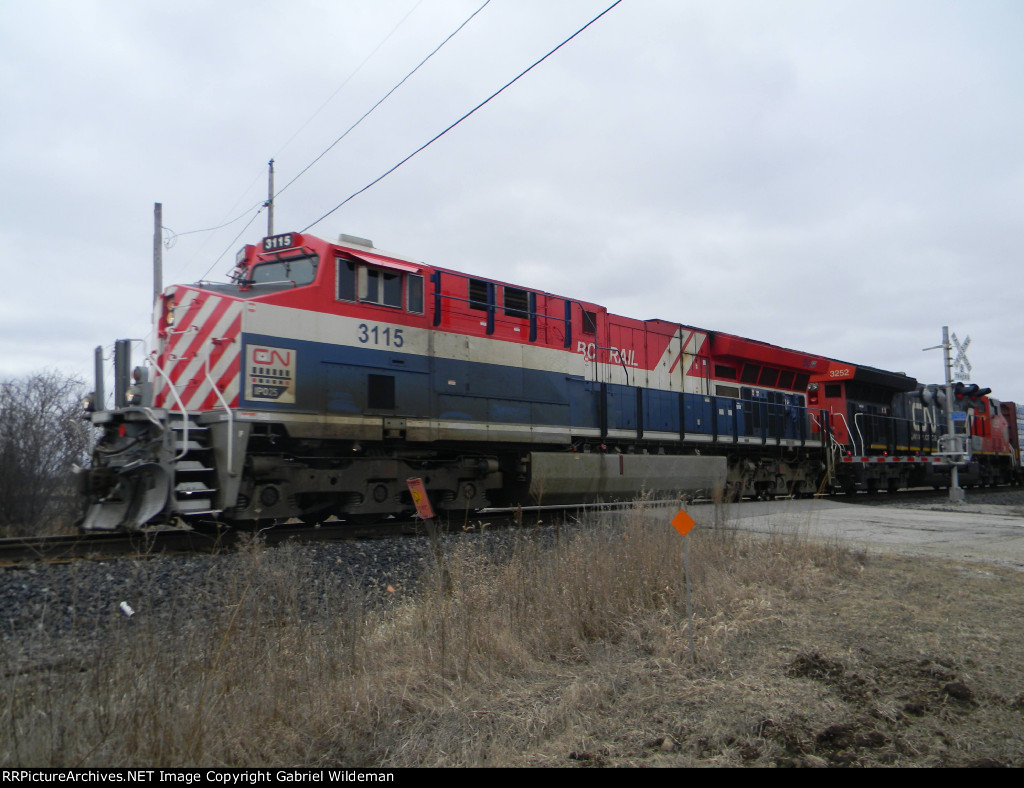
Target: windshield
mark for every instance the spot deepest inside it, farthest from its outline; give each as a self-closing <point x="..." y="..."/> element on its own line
<point x="297" y="270"/>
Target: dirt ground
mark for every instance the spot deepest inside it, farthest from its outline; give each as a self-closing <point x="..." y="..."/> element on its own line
<point x="912" y="660"/>
<point x="918" y="662"/>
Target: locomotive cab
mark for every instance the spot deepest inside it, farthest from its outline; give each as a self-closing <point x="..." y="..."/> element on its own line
<point x="877" y="441"/>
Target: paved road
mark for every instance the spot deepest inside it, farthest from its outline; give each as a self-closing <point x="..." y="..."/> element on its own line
<point x="971" y="532"/>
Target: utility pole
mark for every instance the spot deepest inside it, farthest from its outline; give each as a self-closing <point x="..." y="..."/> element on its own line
<point x="270" y="201"/>
<point x="158" y="250"/>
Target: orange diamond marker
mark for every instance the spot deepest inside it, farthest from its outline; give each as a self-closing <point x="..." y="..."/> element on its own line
<point x="683" y="523"/>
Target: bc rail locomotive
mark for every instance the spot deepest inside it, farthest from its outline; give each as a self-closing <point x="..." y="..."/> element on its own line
<point x="325" y="375"/>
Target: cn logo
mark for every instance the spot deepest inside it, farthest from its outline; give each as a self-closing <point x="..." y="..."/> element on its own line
<point x="270" y="356"/>
<point x="270" y="374"/>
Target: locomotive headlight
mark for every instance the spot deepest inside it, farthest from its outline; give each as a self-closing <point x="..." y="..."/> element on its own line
<point x="139" y="392"/>
<point x="88" y="402"/>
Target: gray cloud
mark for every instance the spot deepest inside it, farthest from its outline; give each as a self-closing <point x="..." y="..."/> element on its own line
<point x="843" y="178"/>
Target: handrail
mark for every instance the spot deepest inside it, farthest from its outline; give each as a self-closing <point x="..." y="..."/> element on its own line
<point x="291" y="282"/>
<point x="836" y="446"/>
<point x="530" y="314"/>
<point x="231" y="416"/>
<point x="834" y="449"/>
<point x="821" y="428"/>
<point x="856" y="424"/>
<point x="842" y="417"/>
<point x="184" y="410"/>
<point x="892" y="424"/>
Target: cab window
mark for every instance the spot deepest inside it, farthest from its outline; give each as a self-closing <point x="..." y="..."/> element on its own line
<point x="372" y="285"/>
<point x="378" y="286"/>
<point x="297" y="271"/>
<point x="346" y="280"/>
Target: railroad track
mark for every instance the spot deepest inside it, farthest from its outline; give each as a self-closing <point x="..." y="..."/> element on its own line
<point x="20" y="551"/>
<point x="918" y="494"/>
<point x="25" y="550"/>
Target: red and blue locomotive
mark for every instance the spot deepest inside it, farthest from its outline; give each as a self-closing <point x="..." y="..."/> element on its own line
<point x="324" y="375"/>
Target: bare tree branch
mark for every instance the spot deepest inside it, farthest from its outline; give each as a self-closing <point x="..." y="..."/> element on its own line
<point x="41" y="437"/>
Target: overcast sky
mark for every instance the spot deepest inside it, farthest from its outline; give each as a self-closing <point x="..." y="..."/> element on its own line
<point x="838" y="177"/>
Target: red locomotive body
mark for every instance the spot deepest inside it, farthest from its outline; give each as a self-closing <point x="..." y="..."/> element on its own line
<point x="325" y="374"/>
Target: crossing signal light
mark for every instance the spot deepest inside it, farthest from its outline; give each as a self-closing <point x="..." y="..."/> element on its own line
<point x="970" y="390"/>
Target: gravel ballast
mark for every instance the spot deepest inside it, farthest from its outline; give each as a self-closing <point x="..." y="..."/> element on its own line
<point x="83" y="599"/>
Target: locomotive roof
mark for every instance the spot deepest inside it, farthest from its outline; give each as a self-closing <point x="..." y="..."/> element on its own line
<point x="726" y="343"/>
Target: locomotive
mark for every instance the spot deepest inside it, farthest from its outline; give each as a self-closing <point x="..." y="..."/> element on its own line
<point x="323" y="376"/>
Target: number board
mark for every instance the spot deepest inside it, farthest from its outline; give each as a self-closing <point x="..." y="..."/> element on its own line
<point x="275" y="242"/>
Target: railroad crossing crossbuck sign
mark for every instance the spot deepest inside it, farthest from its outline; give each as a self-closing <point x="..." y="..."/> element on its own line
<point x="961" y="366"/>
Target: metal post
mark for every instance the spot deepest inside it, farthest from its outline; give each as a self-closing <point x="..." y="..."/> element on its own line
<point x="689" y="600"/>
<point x="99" y="396"/>
<point x="122" y="372"/>
<point x="956" y="494"/>
<point x="158" y="250"/>
<point x="683" y="523"/>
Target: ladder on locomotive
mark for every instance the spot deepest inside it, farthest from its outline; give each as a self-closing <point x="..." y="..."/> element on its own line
<point x="195" y="478"/>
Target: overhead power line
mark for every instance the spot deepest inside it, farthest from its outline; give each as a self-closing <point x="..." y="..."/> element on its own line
<point x="231" y="245"/>
<point x="384" y="97"/>
<point x="347" y="80"/>
<point x="438" y="136"/>
<point x="174" y="235"/>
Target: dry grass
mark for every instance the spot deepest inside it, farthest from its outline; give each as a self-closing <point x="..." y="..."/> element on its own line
<point x="572" y="653"/>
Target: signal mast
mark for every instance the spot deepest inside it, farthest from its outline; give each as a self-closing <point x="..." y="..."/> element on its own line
<point x="954" y="446"/>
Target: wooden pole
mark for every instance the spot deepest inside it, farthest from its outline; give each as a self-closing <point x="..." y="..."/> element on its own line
<point x="270" y="201"/>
